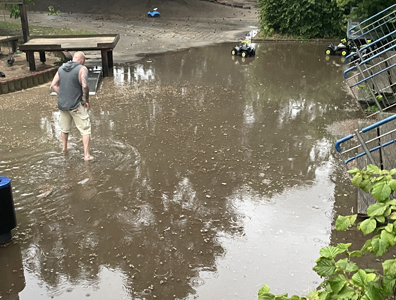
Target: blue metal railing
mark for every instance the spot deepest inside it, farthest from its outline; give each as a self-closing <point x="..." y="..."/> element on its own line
<point x="369" y="59"/>
<point x="371" y="45"/>
<point x="372" y="17"/>
<point x="364" y="130"/>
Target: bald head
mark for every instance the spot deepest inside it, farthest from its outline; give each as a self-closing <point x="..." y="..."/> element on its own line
<point x="79" y="57"/>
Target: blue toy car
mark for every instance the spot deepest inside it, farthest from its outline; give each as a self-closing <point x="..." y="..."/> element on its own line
<point x="153" y="14"/>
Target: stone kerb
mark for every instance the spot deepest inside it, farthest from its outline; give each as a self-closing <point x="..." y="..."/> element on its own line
<point x="27" y="81"/>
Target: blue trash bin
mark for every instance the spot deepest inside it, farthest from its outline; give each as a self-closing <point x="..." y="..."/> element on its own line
<point x="7" y="210"/>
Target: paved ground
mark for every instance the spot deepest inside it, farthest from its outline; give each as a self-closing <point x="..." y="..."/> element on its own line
<point x="183" y="23"/>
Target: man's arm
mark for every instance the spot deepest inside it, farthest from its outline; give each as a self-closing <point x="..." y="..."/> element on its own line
<point x="55" y="83"/>
<point x="84" y="84"/>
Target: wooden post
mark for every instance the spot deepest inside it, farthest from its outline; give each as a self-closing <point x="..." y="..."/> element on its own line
<point x="42" y="56"/>
<point x="24" y="22"/>
<point x="32" y="63"/>
<point x="105" y="62"/>
<point x="14" y="46"/>
<point x="110" y="58"/>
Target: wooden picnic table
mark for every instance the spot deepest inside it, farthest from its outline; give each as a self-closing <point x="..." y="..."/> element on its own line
<point x="13" y="40"/>
<point x="105" y="43"/>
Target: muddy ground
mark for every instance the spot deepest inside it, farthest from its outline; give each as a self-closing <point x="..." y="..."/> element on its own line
<point x="183" y="24"/>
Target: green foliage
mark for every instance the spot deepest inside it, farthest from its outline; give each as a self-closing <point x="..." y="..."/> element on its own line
<point x="52" y="11"/>
<point x="365" y="8"/>
<point x="302" y="18"/>
<point x="314" y="18"/>
<point x="372" y="109"/>
<point x="14" y="8"/>
<point x="343" y="277"/>
<point x="264" y="294"/>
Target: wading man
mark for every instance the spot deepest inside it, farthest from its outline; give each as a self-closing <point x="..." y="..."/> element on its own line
<point x="71" y="85"/>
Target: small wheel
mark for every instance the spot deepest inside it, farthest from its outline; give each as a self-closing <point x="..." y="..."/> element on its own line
<point x="233" y="52"/>
<point x="329" y="51"/>
<point x="244" y="53"/>
<point x="344" y="52"/>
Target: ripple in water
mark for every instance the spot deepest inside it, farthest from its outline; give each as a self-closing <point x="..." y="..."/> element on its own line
<point x="43" y="182"/>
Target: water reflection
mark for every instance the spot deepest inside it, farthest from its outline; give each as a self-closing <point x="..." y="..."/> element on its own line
<point x="123" y="75"/>
<point x="12" y="277"/>
<point x="194" y="155"/>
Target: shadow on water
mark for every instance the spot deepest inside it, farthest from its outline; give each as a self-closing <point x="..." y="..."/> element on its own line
<point x="12" y="277"/>
<point x="212" y="176"/>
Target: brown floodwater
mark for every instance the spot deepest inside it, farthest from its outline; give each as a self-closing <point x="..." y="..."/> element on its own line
<point x="213" y="175"/>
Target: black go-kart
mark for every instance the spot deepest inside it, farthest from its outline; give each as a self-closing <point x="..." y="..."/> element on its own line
<point x="344" y="48"/>
<point x="244" y="49"/>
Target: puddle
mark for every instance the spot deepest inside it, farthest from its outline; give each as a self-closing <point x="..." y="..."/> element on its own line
<point x="213" y="176"/>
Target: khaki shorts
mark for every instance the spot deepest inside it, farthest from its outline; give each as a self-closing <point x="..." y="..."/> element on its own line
<point x="79" y="116"/>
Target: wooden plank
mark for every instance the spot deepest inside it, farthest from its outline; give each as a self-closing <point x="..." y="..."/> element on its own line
<point x="71" y="44"/>
<point x="42" y="57"/>
<point x="103" y="43"/>
<point x="89" y="42"/>
<point x="24" y="22"/>
<point x="30" y="58"/>
<point x="11" y="1"/>
<point x="110" y="45"/>
<point x="110" y="58"/>
<point x="105" y="63"/>
<point x="4" y="38"/>
<point x="13" y="40"/>
<point x="66" y="36"/>
<point x="46" y="48"/>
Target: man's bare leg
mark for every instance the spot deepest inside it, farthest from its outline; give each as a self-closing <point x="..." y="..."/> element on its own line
<point x="65" y="137"/>
<point x="86" y="139"/>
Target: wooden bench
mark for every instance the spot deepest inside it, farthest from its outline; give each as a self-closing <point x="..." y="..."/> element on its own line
<point x="13" y="40"/>
<point x="105" y="43"/>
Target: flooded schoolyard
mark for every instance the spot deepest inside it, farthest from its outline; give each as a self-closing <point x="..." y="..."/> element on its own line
<point x="212" y="175"/>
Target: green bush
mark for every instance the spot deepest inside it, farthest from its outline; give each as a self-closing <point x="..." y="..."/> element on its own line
<point x="365" y="8"/>
<point x="315" y="18"/>
<point x="343" y="278"/>
<point x="302" y="18"/>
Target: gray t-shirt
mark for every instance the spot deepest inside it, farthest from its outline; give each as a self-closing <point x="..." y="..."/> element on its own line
<point x="70" y="89"/>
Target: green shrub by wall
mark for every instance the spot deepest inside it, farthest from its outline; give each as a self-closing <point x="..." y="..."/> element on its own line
<point x="302" y="18"/>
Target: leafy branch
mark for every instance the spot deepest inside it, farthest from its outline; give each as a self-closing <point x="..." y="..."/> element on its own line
<point x="343" y="277"/>
<point x="52" y="11"/>
<point x="14" y="8"/>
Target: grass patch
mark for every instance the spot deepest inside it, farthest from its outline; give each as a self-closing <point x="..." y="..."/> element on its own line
<point x="9" y="28"/>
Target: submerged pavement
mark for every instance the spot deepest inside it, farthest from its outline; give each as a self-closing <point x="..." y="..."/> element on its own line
<point x="213" y="175"/>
